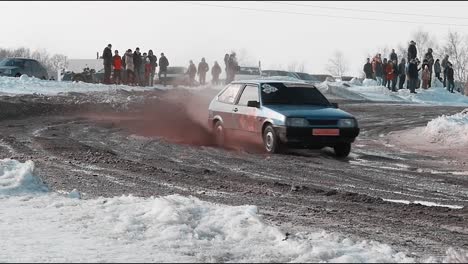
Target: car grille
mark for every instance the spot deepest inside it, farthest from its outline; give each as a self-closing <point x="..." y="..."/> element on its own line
<point x="322" y="122"/>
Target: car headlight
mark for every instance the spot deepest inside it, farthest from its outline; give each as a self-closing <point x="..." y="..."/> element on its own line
<point x="297" y="122"/>
<point x="347" y="123"/>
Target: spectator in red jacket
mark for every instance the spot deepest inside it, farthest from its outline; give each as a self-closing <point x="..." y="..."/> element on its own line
<point x="117" y="64"/>
<point x="389" y="73"/>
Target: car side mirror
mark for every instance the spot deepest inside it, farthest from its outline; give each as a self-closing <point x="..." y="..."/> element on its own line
<point x="253" y="104"/>
<point x="335" y="105"/>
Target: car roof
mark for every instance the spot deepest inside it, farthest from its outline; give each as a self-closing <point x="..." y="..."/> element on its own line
<point x="271" y="81"/>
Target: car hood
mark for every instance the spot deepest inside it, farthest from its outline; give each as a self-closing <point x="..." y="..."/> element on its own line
<point x="309" y="111"/>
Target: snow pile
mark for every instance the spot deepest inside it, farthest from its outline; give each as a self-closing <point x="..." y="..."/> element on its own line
<point x="356" y="81"/>
<point x="18" y="178"/>
<point x="51" y="227"/>
<point x="431" y="96"/>
<point x="450" y="130"/>
<point x="369" y="82"/>
<point x="30" y="85"/>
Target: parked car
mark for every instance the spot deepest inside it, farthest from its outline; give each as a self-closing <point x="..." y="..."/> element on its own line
<point x="274" y="73"/>
<point x="280" y="115"/>
<point x="176" y="76"/>
<point x="15" y="67"/>
<point x="324" y="77"/>
<point x="307" y="78"/>
<point x="248" y="73"/>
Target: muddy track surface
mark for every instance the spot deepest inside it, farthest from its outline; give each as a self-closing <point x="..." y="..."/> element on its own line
<point x="144" y="150"/>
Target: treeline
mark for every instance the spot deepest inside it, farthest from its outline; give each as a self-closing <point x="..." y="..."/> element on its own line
<point x="52" y="62"/>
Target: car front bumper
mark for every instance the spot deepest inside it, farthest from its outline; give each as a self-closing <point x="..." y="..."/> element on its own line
<point x="301" y="137"/>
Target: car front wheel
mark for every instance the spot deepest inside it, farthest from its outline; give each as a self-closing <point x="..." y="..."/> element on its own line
<point x="271" y="141"/>
<point x="342" y="150"/>
<point x="218" y="131"/>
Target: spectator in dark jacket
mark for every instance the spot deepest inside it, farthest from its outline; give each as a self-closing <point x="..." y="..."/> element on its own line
<point x="413" y="75"/>
<point x="192" y="71"/>
<point x="226" y="68"/>
<point x="384" y="76"/>
<point x="202" y="70"/>
<point x="117" y="63"/>
<point x="368" y="69"/>
<point x="444" y="68"/>
<point x="395" y="75"/>
<point x="154" y="64"/>
<point x="437" y="70"/>
<point x="450" y="78"/>
<point x="402" y="73"/>
<point x="393" y="56"/>
<point x="412" y="51"/>
<point x="163" y="64"/>
<point x="107" y="56"/>
<point x="137" y="63"/>
<point x="215" y="72"/>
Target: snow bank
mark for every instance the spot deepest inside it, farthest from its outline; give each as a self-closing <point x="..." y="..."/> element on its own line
<point x="369" y="82"/>
<point x="431" y="96"/>
<point x="30" y="85"/>
<point x="356" y="81"/>
<point x="450" y="130"/>
<point x="57" y="228"/>
<point x="18" y="178"/>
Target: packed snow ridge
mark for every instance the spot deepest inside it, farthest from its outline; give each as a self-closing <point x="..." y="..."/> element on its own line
<point x="450" y="130"/>
<point x="39" y="225"/>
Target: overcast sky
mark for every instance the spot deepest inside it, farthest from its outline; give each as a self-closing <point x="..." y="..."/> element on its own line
<point x="187" y="30"/>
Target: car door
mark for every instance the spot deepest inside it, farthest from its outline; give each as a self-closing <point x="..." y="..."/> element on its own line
<point x="246" y="119"/>
<point x="225" y="106"/>
<point x="28" y="68"/>
<point x="36" y="70"/>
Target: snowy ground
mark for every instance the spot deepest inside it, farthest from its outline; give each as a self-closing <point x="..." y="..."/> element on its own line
<point x="449" y="130"/>
<point x="38" y="225"/>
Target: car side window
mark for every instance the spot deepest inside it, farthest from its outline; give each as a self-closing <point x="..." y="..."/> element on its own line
<point x="229" y="95"/>
<point x="250" y="93"/>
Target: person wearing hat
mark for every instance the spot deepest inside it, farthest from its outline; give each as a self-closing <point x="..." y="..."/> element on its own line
<point x="154" y="64"/>
<point x="444" y="68"/>
<point x="163" y="63"/>
<point x="430" y="62"/>
<point x="192" y="71"/>
<point x="107" y="57"/>
<point x="412" y="51"/>
<point x="413" y="75"/>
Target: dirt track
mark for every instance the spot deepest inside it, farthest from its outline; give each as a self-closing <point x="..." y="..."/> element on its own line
<point x="144" y="149"/>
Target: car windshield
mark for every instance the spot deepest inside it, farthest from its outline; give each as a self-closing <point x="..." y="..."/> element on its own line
<point x="12" y="62"/>
<point x="176" y="70"/>
<point x="305" y="76"/>
<point x="292" y="94"/>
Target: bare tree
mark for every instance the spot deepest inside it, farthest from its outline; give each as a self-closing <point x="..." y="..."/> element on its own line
<point x="58" y="62"/>
<point x="337" y="66"/>
<point x="457" y="49"/>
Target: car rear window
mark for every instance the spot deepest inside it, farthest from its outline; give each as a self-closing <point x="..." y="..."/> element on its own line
<point x="292" y="94"/>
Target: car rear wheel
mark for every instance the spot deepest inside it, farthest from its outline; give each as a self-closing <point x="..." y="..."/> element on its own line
<point x="218" y="131"/>
<point x="342" y="150"/>
<point x="271" y="141"/>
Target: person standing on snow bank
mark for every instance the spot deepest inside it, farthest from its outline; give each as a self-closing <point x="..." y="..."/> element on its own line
<point x="368" y="69"/>
<point x="226" y="68"/>
<point x="215" y="72"/>
<point x="389" y="74"/>
<point x="377" y="68"/>
<point x="412" y="51"/>
<point x="202" y="70"/>
<point x="117" y="63"/>
<point x="395" y="75"/>
<point x="129" y="67"/>
<point x="163" y="63"/>
<point x="444" y="68"/>
<point x="402" y="73"/>
<point x="148" y="70"/>
<point x="154" y="64"/>
<point x="393" y="56"/>
<point x="430" y="62"/>
<point x="450" y="79"/>
<point x="412" y="75"/>
<point x="437" y="70"/>
<point x="384" y="75"/>
<point x="426" y="77"/>
<point x="233" y="67"/>
<point x="107" y="56"/>
<point x="137" y="65"/>
<point x="192" y="71"/>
